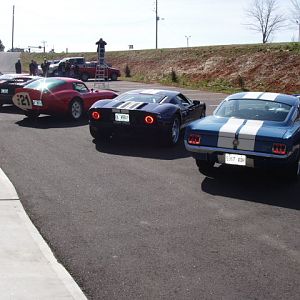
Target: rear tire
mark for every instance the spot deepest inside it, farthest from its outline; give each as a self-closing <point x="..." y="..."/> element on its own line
<point x="171" y="136"/>
<point x="32" y="114"/>
<point x="292" y="171"/>
<point x="206" y="167"/>
<point x="76" y="109"/>
<point x="85" y="77"/>
<point x="99" y="134"/>
<point x="114" y="77"/>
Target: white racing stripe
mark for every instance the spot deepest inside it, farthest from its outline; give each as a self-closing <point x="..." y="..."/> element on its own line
<point x="247" y="134"/>
<point x="269" y="96"/>
<point x="150" y="91"/>
<point x="227" y="132"/>
<point x="130" y="105"/>
<point x="252" y="95"/>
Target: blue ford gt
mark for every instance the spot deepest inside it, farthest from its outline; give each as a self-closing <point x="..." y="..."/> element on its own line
<point x="249" y="129"/>
<point x="149" y="112"/>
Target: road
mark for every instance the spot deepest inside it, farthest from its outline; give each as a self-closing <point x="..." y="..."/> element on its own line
<point x="131" y="220"/>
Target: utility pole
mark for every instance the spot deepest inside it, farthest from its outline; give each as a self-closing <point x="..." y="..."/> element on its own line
<point x="298" y="22"/>
<point x="187" y="40"/>
<point x="157" y="18"/>
<point x="156" y="24"/>
<point x="44" y="43"/>
<point x="13" y="28"/>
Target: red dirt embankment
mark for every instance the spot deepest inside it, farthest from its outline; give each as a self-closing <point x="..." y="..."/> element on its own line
<point x="273" y="67"/>
<point x="256" y="67"/>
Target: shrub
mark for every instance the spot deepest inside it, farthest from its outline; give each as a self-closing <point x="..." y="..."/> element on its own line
<point x="174" y="76"/>
<point x="127" y="71"/>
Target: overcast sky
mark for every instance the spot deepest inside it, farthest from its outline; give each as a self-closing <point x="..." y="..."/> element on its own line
<point x="77" y="24"/>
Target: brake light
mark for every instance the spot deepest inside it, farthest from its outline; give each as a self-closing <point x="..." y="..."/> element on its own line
<point x="194" y="139"/>
<point x="96" y="115"/>
<point x="149" y="120"/>
<point x="279" y="149"/>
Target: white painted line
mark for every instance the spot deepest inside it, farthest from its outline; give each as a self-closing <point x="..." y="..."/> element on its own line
<point x="7" y="190"/>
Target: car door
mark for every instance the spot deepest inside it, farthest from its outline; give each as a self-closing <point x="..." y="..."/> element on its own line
<point x="85" y="94"/>
<point x="188" y="112"/>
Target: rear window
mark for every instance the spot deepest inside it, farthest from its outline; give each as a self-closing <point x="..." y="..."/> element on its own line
<point x="15" y="79"/>
<point x="45" y="84"/>
<point x="254" y="110"/>
<point x="147" y="98"/>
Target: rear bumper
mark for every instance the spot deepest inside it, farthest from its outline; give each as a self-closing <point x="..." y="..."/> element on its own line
<point x="137" y="130"/>
<point x="253" y="159"/>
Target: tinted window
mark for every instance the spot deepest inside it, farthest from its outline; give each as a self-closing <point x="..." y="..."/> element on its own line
<point x="80" y="87"/>
<point x="181" y="100"/>
<point x="148" y="98"/>
<point x="254" y="110"/>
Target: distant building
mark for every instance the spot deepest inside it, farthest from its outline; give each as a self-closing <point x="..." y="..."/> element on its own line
<point x="16" y="50"/>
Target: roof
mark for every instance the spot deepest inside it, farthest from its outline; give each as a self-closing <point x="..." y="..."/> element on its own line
<point x="66" y="79"/>
<point x="15" y="75"/>
<point x="154" y="91"/>
<point x="282" y="98"/>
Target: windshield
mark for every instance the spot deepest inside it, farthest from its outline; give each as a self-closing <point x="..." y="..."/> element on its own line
<point x="45" y="84"/>
<point x="254" y="110"/>
<point x="146" y="98"/>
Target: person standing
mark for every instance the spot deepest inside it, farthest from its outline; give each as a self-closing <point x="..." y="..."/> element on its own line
<point x="18" y="67"/>
<point x="45" y="67"/>
<point x="101" y="51"/>
<point x="31" y="67"/>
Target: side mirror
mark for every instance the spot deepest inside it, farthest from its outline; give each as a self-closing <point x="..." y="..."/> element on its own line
<point x="196" y="102"/>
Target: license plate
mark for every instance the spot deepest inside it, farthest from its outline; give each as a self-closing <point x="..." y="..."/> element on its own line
<point x="37" y="102"/>
<point x="235" y="159"/>
<point x="122" y="117"/>
<point x="4" y="91"/>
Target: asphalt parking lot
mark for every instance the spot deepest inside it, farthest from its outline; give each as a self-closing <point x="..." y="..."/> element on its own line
<point x="131" y="220"/>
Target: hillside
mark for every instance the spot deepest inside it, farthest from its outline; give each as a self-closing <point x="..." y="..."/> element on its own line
<point x="271" y="67"/>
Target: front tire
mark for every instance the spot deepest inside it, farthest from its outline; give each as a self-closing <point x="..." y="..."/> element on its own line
<point x="76" y="109"/>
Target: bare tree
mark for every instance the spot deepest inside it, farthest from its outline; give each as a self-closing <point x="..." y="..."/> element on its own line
<point x="1" y="46"/>
<point x="264" y="18"/>
<point x="295" y="9"/>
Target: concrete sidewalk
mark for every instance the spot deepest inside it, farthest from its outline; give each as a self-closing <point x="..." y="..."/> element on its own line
<point x="28" y="268"/>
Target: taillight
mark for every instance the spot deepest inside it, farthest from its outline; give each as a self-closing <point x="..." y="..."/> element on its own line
<point x="149" y="120"/>
<point x="279" y="149"/>
<point x="96" y="115"/>
<point x="194" y="139"/>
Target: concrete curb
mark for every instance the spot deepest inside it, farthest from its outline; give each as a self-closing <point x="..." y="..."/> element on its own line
<point x="29" y="269"/>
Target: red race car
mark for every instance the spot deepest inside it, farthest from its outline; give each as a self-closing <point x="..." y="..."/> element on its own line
<point x="57" y="96"/>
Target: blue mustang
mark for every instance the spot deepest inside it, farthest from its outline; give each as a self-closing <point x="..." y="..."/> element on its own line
<point x="252" y="129"/>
